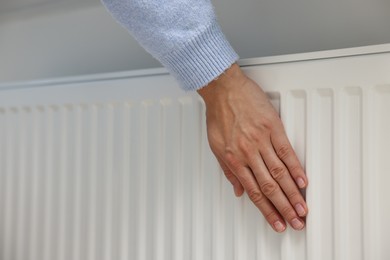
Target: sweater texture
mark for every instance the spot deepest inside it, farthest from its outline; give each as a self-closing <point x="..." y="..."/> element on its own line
<point x="183" y="35"/>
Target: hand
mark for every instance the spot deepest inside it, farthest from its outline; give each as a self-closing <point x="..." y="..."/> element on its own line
<point x="248" y="139"/>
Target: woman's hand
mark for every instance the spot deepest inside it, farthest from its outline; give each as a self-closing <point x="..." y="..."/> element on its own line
<point x="248" y="139"/>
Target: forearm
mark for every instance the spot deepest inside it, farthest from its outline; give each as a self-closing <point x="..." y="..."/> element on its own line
<point x="183" y="35"/>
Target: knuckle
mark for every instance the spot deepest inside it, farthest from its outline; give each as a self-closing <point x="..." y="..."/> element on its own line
<point x="287" y="212"/>
<point x="271" y="216"/>
<point x="265" y="124"/>
<point x="293" y="195"/>
<point x="256" y="135"/>
<point x="283" y="151"/>
<point x="229" y="175"/>
<point x="255" y="196"/>
<point x="278" y="172"/>
<point x="231" y="160"/>
<point x="244" y="148"/>
<point x="296" y="169"/>
<point x="269" y="188"/>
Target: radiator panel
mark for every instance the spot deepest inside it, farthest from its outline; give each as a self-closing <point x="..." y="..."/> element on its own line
<point x="120" y="168"/>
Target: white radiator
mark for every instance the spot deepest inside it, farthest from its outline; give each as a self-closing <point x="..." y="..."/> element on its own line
<point x="117" y="166"/>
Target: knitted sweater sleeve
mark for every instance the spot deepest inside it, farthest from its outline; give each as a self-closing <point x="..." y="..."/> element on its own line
<point x="182" y="34"/>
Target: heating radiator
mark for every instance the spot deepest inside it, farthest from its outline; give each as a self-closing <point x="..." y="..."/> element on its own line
<point x="117" y="166"/>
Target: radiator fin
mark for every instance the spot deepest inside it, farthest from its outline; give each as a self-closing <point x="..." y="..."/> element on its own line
<point x="136" y="180"/>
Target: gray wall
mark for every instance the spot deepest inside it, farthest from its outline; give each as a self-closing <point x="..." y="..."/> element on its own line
<point x="57" y="40"/>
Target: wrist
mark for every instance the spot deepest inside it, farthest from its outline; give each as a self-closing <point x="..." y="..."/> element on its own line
<point x="231" y="78"/>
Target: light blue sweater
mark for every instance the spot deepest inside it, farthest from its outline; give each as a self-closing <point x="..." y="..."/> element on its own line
<point x="182" y="34"/>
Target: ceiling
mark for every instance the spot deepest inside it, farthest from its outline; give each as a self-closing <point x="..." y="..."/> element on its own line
<point x="7" y="6"/>
<point x="11" y="6"/>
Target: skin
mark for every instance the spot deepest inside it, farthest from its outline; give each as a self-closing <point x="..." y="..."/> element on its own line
<point x="248" y="139"/>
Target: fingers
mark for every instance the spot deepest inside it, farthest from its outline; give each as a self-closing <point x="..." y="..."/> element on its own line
<point x="268" y="210"/>
<point x="266" y="193"/>
<point x="276" y="194"/>
<point x="238" y="189"/>
<point x="240" y="122"/>
<point x="281" y="175"/>
<point x="286" y="154"/>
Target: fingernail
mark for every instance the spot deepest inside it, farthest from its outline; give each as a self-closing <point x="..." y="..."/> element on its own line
<point x="300" y="210"/>
<point x="300" y="182"/>
<point x="297" y="224"/>
<point x="235" y="191"/>
<point x="279" y="226"/>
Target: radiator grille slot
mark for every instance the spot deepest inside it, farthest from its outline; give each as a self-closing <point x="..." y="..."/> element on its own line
<point x="133" y="178"/>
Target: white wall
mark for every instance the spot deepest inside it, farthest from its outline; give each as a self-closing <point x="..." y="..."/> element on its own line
<point x="74" y="39"/>
<point x="62" y="42"/>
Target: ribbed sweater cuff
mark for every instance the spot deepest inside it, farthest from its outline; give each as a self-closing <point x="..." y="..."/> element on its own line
<point x="201" y="60"/>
